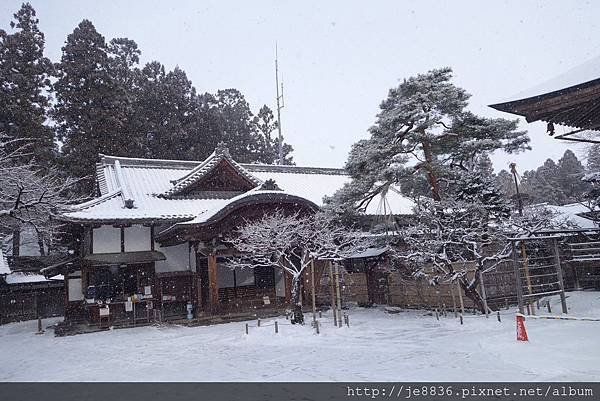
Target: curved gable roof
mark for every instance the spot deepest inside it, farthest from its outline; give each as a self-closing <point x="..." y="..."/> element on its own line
<point x="221" y="154"/>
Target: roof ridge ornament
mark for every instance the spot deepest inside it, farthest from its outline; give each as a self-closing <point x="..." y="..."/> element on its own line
<point x="270" y="185"/>
<point x="222" y="149"/>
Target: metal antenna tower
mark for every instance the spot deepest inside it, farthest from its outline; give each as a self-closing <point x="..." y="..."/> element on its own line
<point x="280" y="105"/>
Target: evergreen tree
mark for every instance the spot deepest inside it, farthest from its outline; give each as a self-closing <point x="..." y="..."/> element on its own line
<point x="237" y="127"/>
<point x="90" y="110"/>
<point x="506" y="184"/>
<point x="422" y="128"/>
<point x="24" y="83"/>
<point x="269" y="149"/>
<point x="542" y="185"/>
<point x="570" y="174"/>
<point x="123" y="59"/>
<point x="593" y="159"/>
<point x="484" y="166"/>
<point x="166" y="113"/>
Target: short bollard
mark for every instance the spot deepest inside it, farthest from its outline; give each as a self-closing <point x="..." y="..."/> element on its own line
<point x="437" y="315"/>
<point x="461" y="318"/>
<point x="549" y="308"/>
<point x="246" y="328"/>
<point x="320" y="314"/>
<point x="521" y="331"/>
<point x="276" y="327"/>
<point x="499" y="319"/>
<point x="40" y="331"/>
<point x="258" y="322"/>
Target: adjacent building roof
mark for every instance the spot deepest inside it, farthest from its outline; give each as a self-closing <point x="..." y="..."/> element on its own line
<point x="575" y="214"/>
<point x="27" y="278"/>
<point x="571" y="99"/>
<point x="145" y="190"/>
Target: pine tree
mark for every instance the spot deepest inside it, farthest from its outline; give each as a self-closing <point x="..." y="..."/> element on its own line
<point x="90" y="109"/>
<point x="422" y="128"/>
<point x="24" y="83"/>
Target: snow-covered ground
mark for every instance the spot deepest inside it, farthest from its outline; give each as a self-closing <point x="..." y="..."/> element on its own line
<point x="378" y="346"/>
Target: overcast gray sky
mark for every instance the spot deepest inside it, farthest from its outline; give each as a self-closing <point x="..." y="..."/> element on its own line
<point x="339" y="58"/>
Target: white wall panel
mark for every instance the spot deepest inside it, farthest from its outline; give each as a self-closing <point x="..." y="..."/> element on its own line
<point x="137" y="238"/>
<point x="107" y="239"/>
<point x="178" y="258"/>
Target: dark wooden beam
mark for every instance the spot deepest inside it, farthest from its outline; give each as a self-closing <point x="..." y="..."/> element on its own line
<point x="213" y="290"/>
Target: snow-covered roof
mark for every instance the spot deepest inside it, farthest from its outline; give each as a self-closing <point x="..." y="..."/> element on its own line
<point x="207" y="215"/>
<point x="4" y="269"/>
<point x="571" y="213"/>
<point x="147" y="181"/>
<point x="202" y="169"/>
<point x="581" y="74"/>
<point x="24" y="277"/>
<point x="370" y="252"/>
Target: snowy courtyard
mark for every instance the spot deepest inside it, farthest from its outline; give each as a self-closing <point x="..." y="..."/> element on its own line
<point x="378" y="346"/>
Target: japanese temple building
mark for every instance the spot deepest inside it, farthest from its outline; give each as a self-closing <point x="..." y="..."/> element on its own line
<point x="570" y="100"/>
<point x="152" y="242"/>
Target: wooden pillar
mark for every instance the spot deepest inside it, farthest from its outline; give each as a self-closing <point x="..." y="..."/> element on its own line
<point x="312" y="290"/>
<point x="332" y="294"/>
<point x="213" y="291"/>
<point x="338" y="295"/>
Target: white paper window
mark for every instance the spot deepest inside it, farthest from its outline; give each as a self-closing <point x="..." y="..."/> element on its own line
<point x="75" y="292"/>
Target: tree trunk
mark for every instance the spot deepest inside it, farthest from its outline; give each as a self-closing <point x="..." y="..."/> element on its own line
<point x="471" y="292"/>
<point x="297" y="315"/>
<point x="431" y="177"/>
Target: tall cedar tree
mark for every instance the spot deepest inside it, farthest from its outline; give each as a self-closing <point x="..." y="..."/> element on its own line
<point x="422" y="128"/>
<point x="269" y="152"/>
<point x="90" y="109"/>
<point x="166" y="113"/>
<point x="123" y="60"/>
<point x="593" y="159"/>
<point x="556" y="183"/>
<point x="24" y="77"/>
<point x="570" y="174"/>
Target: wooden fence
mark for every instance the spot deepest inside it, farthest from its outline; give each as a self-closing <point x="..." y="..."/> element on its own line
<point x="17" y="306"/>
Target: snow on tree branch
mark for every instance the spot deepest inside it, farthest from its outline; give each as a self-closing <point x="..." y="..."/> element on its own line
<point x="292" y="242"/>
<point x="30" y="196"/>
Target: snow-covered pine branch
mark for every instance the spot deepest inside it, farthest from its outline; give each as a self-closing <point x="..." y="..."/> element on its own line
<point x="291" y="242"/>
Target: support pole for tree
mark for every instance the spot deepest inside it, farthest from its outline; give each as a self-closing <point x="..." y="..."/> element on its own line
<point x="453" y="300"/>
<point x="460" y="299"/>
<point x="339" y="297"/>
<point x="312" y="288"/>
<point x="527" y="276"/>
<point x="563" y="299"/>
<point x="483" y="295"/>
<point x="332" y="293"/>
<point x="518" y="279"/>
